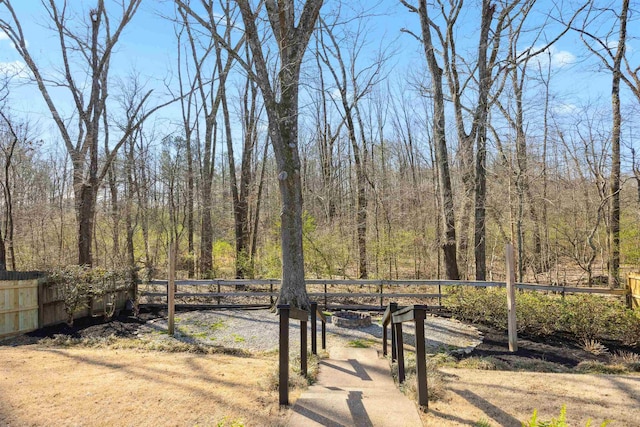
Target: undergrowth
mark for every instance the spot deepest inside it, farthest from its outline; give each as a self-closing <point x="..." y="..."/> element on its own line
<point x="586" y="317"/>
<point x="166" y="346"/>
<point x="561" y="421"/>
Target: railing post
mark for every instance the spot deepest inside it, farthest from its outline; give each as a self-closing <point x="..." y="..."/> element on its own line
<point x="399" y="346"/>
<point x="385" y="338"/>
<point x="283" y="366"/>
<point x="314" y="331"/>
<point x="303" y="347"/>
<point x="511" y="299"/>
<point x="324" y="335"/>
<point x="325" y="296"/>
<point x="419" y="316"/>
<point x="171" y="290"/>
<point x="393" y="307"/>
<point x="381" y="295"/>
<point x="271" y="293"/>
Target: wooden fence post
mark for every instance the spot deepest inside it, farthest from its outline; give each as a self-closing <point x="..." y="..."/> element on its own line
<point x="283" y="356"/>
<point x="314" y="336"/>
<point x="303" y="348"/>
<point x="399" y="345"/>
<point x="171" y="303"/>
<point x="420" y="315"/>
<point x="511" y="298"/>
<point x="394" y="351"/>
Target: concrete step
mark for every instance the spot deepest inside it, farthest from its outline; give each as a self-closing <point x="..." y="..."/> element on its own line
<point x="354" y="388"/>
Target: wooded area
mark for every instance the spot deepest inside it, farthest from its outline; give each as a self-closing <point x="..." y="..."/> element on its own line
<point x="413" y="155"/>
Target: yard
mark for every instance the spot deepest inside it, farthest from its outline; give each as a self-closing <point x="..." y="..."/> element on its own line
<point x="93" y="380"/>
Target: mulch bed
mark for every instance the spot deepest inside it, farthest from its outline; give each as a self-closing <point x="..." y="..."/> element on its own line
<point x="123" y="325"/>
<point x="563" y="351"/>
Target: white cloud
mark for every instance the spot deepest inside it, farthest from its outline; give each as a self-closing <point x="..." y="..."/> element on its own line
<point x="557" y="58"/>
<point x="565" y="108"/>
<point x="3" y="36"/>
<point x="561" y="58"/>
<point x="16" y="69"/>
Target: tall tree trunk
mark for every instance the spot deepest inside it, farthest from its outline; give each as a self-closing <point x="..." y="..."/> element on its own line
<point x="240" y="191"/>
<point x="481" y="118"/>
<point x="440" y="142"/>
<point x="85" y="213"/>
<point x="191" y="265"/>
<point x="614" y="181"/>
<point x="282" y="112"/>
<point x="115" y="211"/>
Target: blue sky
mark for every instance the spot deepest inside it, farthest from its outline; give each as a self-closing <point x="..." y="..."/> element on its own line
<point x="148" y="47"/>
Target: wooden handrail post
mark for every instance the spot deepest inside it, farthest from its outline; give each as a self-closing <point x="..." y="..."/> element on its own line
<point x="511" y="298"/>
<point x="393" y="307"/>
<point x="324" y="335"/>
<point x="385" y="338"/>
<point x="303" y="347"/>
<point x="420" y="315"/>
<point x="399" y="347"/>
<point x="283" y="356"/>
<point x="314" y="331"/>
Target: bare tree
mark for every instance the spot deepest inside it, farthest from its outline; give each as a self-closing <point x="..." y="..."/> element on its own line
<point x="281" y="102"/>
<point x="439" y="133"/>
<point x="610" y="50"/>
<point x="341" y="55"/>
<point x="91" y="45"/>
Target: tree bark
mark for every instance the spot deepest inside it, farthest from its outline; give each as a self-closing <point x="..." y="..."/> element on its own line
<point x="441" y="156"/>
<point x="614" y="181"/>
<point x="292" y="42"/>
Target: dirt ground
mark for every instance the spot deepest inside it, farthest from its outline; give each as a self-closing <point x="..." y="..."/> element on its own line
<point x="43" y="385"/>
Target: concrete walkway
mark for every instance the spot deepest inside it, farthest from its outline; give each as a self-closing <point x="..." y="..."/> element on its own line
<point x="354" y="388"/>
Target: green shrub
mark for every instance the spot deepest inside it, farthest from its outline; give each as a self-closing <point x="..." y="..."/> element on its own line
<point x="587" y="317"/>
<point x="561" y="421"/>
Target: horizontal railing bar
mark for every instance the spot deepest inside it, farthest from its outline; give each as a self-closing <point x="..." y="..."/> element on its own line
<point x="473" y="283"/>
<point x="210" y="306"/>
<point x="343" y="282"/>
<point x="406" y="314"/>
<point x="296" y="313"/>
<point x="220" y="282"/>
<point x="212" y="294"/>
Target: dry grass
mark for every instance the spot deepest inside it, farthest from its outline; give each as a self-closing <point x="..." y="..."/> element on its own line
<point x="502" y="398"/>
<point x="50" y="386"/>
<point x="594" y="347"/>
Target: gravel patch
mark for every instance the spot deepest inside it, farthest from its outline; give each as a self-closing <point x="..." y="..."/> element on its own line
<point x="257" y="330"/>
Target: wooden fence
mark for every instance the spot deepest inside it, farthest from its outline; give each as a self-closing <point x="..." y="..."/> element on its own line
<point x="331" y="294"/>
<point x="633" y="289"/>
<point x="51" y="303"/>
<point x="18" y="306"/>
<point x="28" y="302"/>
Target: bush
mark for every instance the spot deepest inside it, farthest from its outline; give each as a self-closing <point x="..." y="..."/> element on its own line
<point x="587" y="317"/>
<point x="76" y="285"/>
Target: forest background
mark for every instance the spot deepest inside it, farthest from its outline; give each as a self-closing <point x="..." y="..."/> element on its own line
<point x="129" y="124"/>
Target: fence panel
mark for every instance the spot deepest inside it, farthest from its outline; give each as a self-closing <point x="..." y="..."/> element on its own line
<point x="634" y="290"/>
<point x="18" y="307"/>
